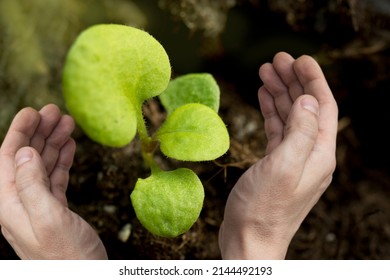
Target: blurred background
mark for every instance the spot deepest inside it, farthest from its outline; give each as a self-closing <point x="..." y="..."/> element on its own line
<point x="229" y="39"/>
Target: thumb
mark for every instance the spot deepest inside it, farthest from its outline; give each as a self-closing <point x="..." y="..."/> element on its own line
<point x="300" y="133"/>
<point x="32" y="183"/>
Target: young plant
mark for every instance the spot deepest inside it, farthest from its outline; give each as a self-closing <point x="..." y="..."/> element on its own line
<point x="109" y="72"/>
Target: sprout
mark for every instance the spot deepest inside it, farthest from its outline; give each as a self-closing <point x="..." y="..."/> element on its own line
<point x="110" y="71"/>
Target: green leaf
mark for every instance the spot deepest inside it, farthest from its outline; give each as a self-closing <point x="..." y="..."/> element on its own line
<point x="193" y="132"/>
<point x="109" y="71"/>
<point x="168" y="203"/>
<point x="191" y="88"/>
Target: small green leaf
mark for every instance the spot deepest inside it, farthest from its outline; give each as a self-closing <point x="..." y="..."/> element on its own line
<point x="191" y="88"/>
<point x="168" y="203"/>
<point x="193" y="132"/>
<point x="109" y="71"/>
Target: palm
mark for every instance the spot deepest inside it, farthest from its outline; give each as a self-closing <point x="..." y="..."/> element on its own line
<point x="34" y="216"/>
<point x="271" y="199"/>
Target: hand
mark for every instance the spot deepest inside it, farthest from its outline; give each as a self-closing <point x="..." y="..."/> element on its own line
<point x="271" y="199"/>
<point x="35" y="159"/>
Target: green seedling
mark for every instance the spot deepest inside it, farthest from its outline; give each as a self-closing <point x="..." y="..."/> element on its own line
<point x="110" y="71"/>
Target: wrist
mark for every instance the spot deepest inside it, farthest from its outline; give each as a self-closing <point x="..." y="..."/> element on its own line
<point x="253" y="243"/>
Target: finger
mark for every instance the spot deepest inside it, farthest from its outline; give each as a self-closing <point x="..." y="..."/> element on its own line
<point x="273" y="124"/>
<point x="19" y="134"/>
<point x="299" y="140"/>
<point x="54" y="143"/>
<point x="32" y="184"/>
<point x="277" y="89"/>
<point x="283" y="64"/>
<point x="50" y="116"/>
<point x="20" y="131"/>
<point x="315" y="84"/>
<point x="59" y="178"/>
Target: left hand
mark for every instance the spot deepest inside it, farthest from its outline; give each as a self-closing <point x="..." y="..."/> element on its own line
<point x="35" y="159"/>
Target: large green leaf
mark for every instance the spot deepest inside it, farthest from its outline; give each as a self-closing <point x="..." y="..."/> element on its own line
<point x="109" y="71"/>
<point x="168" y="202"/>
<point x="193" y="132"/>
<point x="191" y="88"/>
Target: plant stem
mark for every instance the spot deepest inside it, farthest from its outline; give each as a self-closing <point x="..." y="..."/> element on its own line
<point x="147" y="144"/>
<point x="141" y="127"/>
<point x="149" y="160"/>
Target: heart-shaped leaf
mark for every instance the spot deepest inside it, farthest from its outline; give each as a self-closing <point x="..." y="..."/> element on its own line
<point x="168" y="202"/>
<point x="191" y="88"/>
<point x="109" y="71"/>
<point x="193" y="132"/>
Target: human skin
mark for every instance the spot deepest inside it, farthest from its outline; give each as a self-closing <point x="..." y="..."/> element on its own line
<point x="35" y="158"/>
<point x="271" y="199"/>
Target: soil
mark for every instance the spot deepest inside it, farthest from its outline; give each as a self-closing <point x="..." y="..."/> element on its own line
<point x="351" y="220"/>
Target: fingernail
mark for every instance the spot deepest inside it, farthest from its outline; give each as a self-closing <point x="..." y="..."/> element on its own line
<point x="310" y="104"/>
<point x="22" y="156"/>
